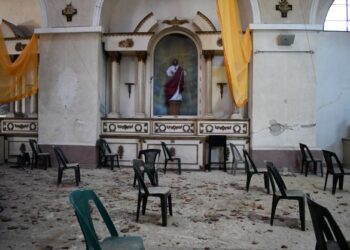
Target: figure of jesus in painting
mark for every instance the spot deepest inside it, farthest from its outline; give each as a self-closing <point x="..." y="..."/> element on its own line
<point x="175" y="84"/>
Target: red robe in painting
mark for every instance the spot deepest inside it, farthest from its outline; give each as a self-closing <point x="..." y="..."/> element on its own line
<point x="171" y="85"/>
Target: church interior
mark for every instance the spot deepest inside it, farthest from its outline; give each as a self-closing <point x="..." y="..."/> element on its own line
<point x="207" y="84"/>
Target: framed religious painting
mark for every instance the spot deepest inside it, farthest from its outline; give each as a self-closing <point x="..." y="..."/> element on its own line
<point x="175" y="90"/>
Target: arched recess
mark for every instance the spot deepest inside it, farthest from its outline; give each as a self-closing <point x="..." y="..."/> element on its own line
<point x="249" y="12"/>
<point x="181" y="44"/>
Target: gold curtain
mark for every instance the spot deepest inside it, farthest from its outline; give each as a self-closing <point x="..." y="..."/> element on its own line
<point x="20" y="78"/>
<point x="237" y="50"/>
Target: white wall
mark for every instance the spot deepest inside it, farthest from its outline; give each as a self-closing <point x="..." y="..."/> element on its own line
<point x="68" y="82"/>
<point x="333" y="90"/>
<point x="283" y="100"/>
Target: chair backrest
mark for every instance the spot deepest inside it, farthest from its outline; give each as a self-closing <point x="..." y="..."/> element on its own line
<point x="167" y="153"/>
<point x="61" y="158"/>
<point x="103" y="146"/>
<point x="275" y="178"/>
<point x="217" y="140"/>
<point x="331" y="158"/>
<point x="236" y="155"/>
<point x="80" y="200"/>
<point x="34" y="146"/>
<point x="325" y="227"/>
<point x="248" y="163"/>
<point x="305" y="152"/>
<point x="150" y="155"/>
<point x="137" y="164"/>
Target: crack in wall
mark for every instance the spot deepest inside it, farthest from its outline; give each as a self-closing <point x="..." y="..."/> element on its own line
<point x="277" y="128"/>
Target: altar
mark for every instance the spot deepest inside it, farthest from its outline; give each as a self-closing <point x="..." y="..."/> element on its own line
<point x="185" y="137"/>
<point x="143" y="117"/>
<point x="123" y="97"/>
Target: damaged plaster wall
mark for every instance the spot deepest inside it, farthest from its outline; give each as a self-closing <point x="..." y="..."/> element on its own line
<point x="283" y="92"/>
<point x="333" y="90"/>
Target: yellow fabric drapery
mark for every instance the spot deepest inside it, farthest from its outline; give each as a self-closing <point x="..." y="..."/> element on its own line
<point x="20" y="78"/>
<point x="237" y="50"/>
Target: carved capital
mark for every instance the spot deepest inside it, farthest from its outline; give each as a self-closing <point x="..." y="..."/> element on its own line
<point x="141" y="56"/>
<point x="115" y="56"/>
<point x="208" y="54"/>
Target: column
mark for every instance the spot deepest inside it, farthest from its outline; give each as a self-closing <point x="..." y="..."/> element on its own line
<point x="23" y="100"/>
<point x="33" y="106"/>
<point x="12" y="110"/>
<point x="141" y="58"/>
<point x="17" y="103"/>
<point x="115" y="80"/>
<point x="208" y="55"/>
<point x="239" y="112"/>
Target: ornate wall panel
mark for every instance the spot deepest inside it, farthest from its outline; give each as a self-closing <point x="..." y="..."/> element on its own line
<point x="14" y="126"/>
<point x="125" y="127"/>
<point x="229" y="128"/>
<point x="174" y="127"/>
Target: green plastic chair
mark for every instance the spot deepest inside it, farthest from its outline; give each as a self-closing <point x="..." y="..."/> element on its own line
<point x="80" y="200"/>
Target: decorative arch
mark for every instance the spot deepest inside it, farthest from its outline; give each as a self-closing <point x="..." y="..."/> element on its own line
<point x="255" y="11"/>
<point x="319" y="11"/>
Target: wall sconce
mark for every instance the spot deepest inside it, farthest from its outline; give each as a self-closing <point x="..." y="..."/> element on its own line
<point x="221" y="85"/>
<point x="129" y="84"/>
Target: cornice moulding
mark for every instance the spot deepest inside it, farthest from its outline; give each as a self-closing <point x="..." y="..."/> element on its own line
<point x="59" y="30"/>
<point x="258" y="26"/>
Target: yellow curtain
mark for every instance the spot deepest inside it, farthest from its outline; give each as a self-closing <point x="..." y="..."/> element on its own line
<point x="20" y="78"/>
<point x="237" y="50"/>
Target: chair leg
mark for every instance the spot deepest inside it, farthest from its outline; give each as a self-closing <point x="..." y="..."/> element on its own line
<point x="76" y="177"/>
<point x="179" y="166"/>
<point x="144" y="204"/>
<point x="325" y="182"/>
<point x="46" y="162"/>
<point x="112" y="162"/>
<point x="341" y="181"/>
<point x="170" y="205"/>
<point x="156" y="179"/>
<point x="49" y="157"/>
<point x="306" y="168"/>
<point x="302" y="213"/>
<point x="321" y="166"/>
<point x="139" y="198"/>
<point x="209" y="160"/>
<point x="273" y="208"/>
<point x="36" y="162"/>
<point x="59" y="177"/>
<point x="249" y="177"/>
<point x="165" y="165"/>
<point x="266" y="182"/>
<point x="134" y="185"/>
<point x="163" y="204"/>
<point x="302" y="167"/>
<point x="118" y="166"/>
<point x="315" y="167"/>
<point x="32" y="163"/>
<point x="233" y="170"/>
<point x="225" y="159"/>
<point x="335" y="180"/>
